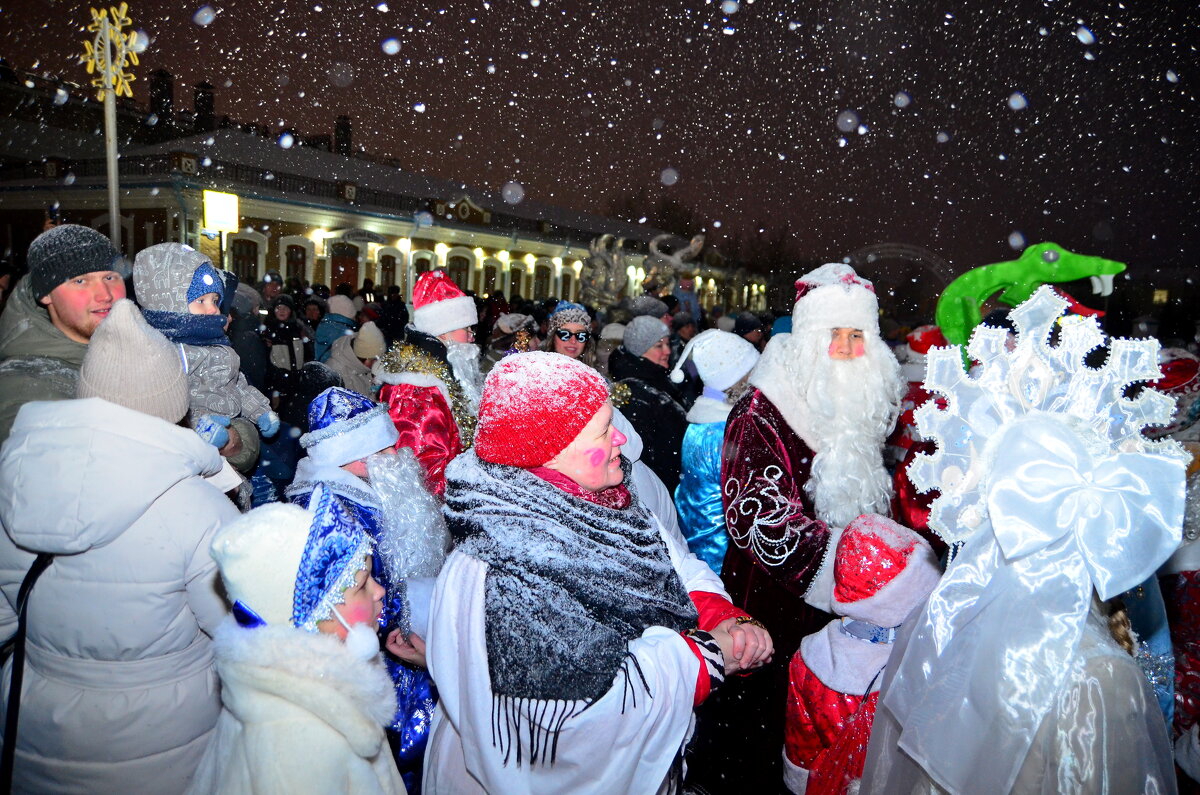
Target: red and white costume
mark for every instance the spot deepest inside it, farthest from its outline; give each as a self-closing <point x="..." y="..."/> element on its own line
<point x="431" y="392"/>
<point x="803" y="456"/>
<point x="882" y="570"/>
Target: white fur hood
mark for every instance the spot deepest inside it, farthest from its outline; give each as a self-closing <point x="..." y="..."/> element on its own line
<point x="313" y="671"/>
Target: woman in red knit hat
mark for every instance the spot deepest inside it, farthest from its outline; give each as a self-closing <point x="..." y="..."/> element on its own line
<point x="566" y="621"/>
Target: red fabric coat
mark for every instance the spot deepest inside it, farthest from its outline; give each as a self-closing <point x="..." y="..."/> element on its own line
<point x="827" y="731"/>
<point x="426" y="425"/>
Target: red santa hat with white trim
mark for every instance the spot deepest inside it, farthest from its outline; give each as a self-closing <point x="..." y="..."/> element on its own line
<point x="439" y="306"/>
<point x="882" y="570"/>
<point x="834" y="296"/>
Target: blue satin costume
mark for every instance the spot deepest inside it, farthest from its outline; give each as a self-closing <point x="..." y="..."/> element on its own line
<point x="416" y="696"/>
<point x="698" y="495"/>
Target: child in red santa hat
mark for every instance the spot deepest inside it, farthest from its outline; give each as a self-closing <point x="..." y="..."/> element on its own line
<point x="882" y="570"/>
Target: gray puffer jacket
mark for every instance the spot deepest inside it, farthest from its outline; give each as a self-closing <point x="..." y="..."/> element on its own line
<point x="161" y="276"/>
<point x="120" y="694"/>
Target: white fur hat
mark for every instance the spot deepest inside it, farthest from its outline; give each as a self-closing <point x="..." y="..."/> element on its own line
<point x="259" y="556"/>
<point x="721" y="358"/>
<point x="834" y="296"/>
<point x="439" y="306"/>
<point x="881" y="571"/>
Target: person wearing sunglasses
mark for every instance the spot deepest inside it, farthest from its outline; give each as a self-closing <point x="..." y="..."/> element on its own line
<point x="569" y="332"/>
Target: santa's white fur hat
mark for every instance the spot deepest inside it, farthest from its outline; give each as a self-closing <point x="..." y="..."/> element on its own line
<point x="834" y="296"/>
<point x="881" y="571"/>
<point x="439" y="306"/>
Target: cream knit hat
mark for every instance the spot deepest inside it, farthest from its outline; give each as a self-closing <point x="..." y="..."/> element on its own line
<point x="133" y="365"/>
<point x="368" y="342"/>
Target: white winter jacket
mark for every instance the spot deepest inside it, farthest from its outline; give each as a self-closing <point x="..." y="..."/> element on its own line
<point x="301" y="715"/>
<point x="120" y="694"/>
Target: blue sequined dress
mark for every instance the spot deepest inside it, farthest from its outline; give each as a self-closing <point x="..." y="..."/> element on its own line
<point x="698" y="496"/>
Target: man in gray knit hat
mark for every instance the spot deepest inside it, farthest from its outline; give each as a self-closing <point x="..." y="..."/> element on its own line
<point x="75" y="277"/>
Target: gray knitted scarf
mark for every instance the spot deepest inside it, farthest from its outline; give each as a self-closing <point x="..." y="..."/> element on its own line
<point x="569" y="584"/>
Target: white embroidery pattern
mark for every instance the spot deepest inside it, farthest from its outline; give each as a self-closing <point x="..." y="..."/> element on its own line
<point x="767" y="508"/>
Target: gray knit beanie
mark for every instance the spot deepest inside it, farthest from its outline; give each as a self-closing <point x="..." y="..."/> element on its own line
<point x="133" y="365"/>
<point x="64" y="252"/>
<point x="647" y="305"/>
<point x="642" y="333"/>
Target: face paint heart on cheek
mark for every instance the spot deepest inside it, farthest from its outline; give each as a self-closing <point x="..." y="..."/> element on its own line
<point x="596" y="456"/>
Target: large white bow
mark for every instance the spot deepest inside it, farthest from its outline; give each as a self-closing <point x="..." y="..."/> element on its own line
<point x="986" y="658"/>
<point x="1045" y="486"/>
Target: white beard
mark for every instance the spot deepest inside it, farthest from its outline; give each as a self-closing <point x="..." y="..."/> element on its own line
<point x="464" y="364"/>
<point x="844" y="411"/>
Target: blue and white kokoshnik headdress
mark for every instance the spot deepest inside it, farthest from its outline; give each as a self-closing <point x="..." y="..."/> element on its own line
<point x="335" y="553"/>
<point x="1048" y="490"/>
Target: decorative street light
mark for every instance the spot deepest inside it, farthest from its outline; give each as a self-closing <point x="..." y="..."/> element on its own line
<point x="108" y="55"/>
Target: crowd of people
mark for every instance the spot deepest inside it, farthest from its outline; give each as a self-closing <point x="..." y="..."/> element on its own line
<point x="273" y="538"/>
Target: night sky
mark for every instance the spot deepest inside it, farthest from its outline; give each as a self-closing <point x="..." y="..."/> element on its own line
<point x="963" y="128"/>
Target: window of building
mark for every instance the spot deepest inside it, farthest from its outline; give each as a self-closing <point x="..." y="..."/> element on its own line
<point x="295" y="258"/>
<point x="541" y="282"/>
<point x="387" y="270"/>
<point x="459" y="271"/>
<point x="245" y="260"/>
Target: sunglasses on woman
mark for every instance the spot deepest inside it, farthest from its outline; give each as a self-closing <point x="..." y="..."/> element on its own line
<point x="564" y="335"/>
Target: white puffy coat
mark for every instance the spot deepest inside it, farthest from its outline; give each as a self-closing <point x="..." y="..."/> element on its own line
<point x="302" y="714"/>
<point x="120" y="694"/>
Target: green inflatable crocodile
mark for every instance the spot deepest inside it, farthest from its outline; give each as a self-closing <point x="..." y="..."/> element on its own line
<point x="1044" y="263"/>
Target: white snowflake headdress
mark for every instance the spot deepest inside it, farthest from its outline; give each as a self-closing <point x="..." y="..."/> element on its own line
<point x="1049" y="491"/>
<point x="1033" y="378"/>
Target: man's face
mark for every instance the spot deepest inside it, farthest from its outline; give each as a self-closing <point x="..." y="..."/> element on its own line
<point x="687" y="332"/>
<point x="463" y="335"/>
<point x="846" y="344"/>
<point x="359" y="468"/>
<point x="78" y="305"/>
<point x="686" y="285"/>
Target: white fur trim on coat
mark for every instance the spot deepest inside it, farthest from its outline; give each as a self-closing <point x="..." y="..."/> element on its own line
<point x="706" y="410"/>
<point x="843" y="662"/>
<point x="795" y="778"/>
<point x="446" y="315"/>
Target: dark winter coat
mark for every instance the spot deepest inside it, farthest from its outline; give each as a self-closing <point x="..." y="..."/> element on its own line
<point x="654" y="409"/>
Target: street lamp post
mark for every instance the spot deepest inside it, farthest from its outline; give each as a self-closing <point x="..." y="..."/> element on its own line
<point x="107" y="56"/>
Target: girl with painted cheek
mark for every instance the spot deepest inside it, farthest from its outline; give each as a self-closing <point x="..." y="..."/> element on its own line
<point x="304" y="691"/>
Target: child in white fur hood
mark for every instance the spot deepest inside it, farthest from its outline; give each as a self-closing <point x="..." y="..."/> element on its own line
<point x="304" y="691"/>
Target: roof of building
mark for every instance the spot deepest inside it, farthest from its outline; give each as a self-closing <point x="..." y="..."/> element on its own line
<point x="246" y="149"/>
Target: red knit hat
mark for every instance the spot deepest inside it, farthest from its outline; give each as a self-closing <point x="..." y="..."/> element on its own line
<point x="881" y="571"/>
<point x="534" y="405"/>
<point x="439" y="306"/>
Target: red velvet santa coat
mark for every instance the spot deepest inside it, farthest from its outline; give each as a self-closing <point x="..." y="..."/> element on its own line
<point x="777" y="544"/>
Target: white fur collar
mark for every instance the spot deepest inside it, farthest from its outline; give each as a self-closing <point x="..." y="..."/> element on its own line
<point x="310" y="670"/>
<point x="842" y="662"/>
<point x="706" y="410"/>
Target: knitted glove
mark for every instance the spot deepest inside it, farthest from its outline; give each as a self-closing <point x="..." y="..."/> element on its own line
<point x="268" y="423"/>
<point x="212" y="429"/>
